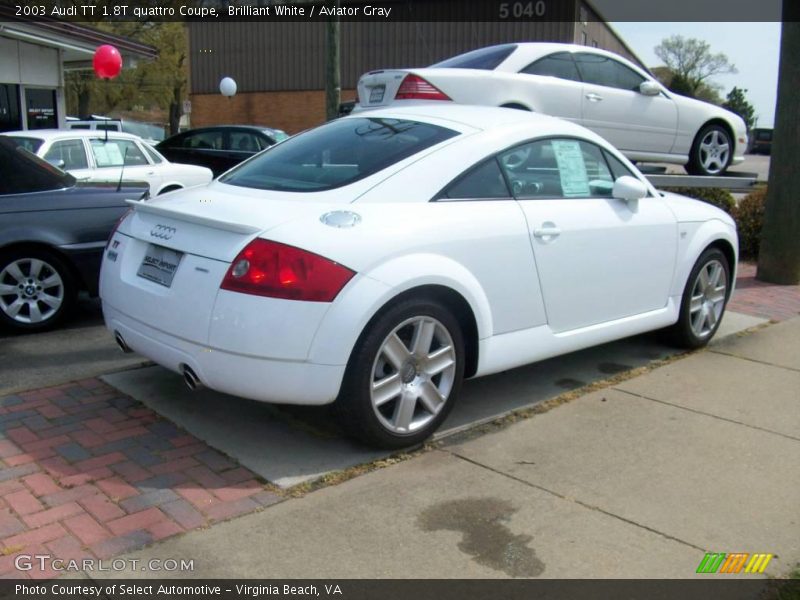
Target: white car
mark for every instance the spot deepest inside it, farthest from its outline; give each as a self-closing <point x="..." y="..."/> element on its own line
<point x="594" y="88"/>
<point x="381" y="258"/>
<point x="97" y="156"/>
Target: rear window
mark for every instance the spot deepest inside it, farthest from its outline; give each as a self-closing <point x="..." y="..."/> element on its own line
<point x="487" y="59"/>
<point x="336" y="154"/>
<point x="764" y="136"/>
<point x="30" y="144"/>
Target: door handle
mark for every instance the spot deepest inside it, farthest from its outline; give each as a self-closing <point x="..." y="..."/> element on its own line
<point x="594" y="98"/>
<point x="546" y="233"/>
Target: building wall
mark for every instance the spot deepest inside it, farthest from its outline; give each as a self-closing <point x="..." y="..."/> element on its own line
<point x="600" y="34"/>
<point x="279" y="67"/>
<point x="292" y="111"/>
<point x="32" y="66"/>
<point x="269" y="56"/>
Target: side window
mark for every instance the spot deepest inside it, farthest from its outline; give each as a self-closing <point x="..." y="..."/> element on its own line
<point x="115" y="153"/>
<point x="155" y="157"/>
<point x="617" y="168"/>
<point x="205" y="140"/>
<point x="557" y="168"/>
<point x="598" y="175"/>
<point x="244" y="141"/>
<point x="558" y="65"/>
<point x="532" y="170"/>
<point x="605" y="71"/>
<point x="69" y="151"/>
<point x="483" y="181"/>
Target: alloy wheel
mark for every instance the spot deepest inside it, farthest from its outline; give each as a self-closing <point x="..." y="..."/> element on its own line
<point x="715" y="151"/>
<point x="413" y="375"/>
<point x="31" y="290"/>
<point x="708" y="298"/>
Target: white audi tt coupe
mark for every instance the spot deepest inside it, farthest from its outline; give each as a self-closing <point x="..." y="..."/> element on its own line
<point x="378" y="260"/>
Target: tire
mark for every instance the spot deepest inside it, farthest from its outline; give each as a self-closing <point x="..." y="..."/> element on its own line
<point x="702" y="308"/>
<point x="48" y="292"/>
<point x="712" y="151"/>
<point x="419" y="386"/>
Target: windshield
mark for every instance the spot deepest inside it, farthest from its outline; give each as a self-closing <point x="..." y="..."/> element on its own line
<point x="336" y="154"/>
<point x="487" y="59"/>
<point x="22" y="172"/>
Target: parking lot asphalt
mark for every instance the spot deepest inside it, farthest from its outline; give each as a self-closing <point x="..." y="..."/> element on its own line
<point x="82" y="348"/>
<point x="100" y="467"/>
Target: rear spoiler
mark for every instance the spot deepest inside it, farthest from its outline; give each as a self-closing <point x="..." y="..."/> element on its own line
<point x="199" y="220"/>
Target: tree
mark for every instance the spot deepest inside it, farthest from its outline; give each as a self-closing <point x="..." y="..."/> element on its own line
<point x="779" y="257"/>
<point x="736" y="102"/>
<point x="692" y="62"/>
<point x="160" y="83"/>
<point x="679" y="85"/>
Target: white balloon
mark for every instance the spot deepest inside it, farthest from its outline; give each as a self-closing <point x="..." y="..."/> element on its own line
<point x="227" y="87"/>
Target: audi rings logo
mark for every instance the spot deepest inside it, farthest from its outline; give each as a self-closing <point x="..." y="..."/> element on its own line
<point x="163" y="232"/>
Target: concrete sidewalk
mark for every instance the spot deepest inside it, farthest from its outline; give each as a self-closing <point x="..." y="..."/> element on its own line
<point x="638" y="479"/>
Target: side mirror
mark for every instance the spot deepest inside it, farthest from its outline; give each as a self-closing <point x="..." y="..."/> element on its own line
<point x="649" y="88"/>
<point x="57" y="162"/>
<point x="629" y="189"/>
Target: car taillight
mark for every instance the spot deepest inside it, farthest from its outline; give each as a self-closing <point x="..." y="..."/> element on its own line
<point x="266" y="268"/>
<point x="415" y="87"/>
<point x="116" y="226"/>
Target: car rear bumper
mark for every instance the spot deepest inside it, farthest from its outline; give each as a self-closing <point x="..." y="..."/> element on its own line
<point x="257" y="378"/>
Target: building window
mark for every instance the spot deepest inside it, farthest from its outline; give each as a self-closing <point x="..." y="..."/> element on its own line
<point x="9" y="107"/>
<point x="41" y="108"/>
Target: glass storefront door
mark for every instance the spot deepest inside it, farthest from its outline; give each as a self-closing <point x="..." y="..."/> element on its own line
<point x="41" y="108"/>
<point x="9" y="107"/>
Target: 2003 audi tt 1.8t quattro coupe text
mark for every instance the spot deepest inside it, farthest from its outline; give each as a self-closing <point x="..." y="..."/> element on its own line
<point x="378" y="260"/>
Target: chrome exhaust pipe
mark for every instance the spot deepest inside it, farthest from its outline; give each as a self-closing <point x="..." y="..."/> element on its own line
<point x="191" y="379"/>
<point x="121" y="343"/>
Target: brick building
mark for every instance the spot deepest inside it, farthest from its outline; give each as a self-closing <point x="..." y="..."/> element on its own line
<point x="279" y="67"/>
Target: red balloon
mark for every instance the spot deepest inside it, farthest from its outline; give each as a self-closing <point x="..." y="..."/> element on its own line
<point x="107" y="62"/>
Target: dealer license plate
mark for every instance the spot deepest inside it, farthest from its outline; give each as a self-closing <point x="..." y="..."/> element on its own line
<point x="376" y="94"/>
<point x="159" y="264"/>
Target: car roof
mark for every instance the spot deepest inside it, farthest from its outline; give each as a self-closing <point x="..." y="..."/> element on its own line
<point x="55" y="134"/>
<point x="258" y="128"/>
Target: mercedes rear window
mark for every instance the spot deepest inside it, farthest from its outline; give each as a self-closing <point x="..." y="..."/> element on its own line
<point x="336" y="154"/>
<point x="487" y="59"/>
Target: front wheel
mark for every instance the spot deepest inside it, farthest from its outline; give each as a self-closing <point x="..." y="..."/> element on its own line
<point x="404" y="375"/>
<point x="36" y="290"/>
<point x="704" y="300"/>
<point x="711" y="152"/>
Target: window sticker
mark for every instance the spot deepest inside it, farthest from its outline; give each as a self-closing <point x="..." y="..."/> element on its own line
<point x="571" y="168"/>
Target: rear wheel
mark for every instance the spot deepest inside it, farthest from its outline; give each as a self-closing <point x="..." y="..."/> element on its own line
<point x="36" y="290"/>
<point x="711" y="152"/>
<point x="704" y="300"/>
<point x="404" y="375"/>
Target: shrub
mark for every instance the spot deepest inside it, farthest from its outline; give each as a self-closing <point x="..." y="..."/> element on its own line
<point x="715" y="196"/>
<point x="749" y="216"/>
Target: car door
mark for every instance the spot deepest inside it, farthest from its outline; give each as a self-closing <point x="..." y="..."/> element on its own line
<point x="118" y="159"/>
<point x="205" y="148"/>
<point x="599" y="259"/>
<point x="615" y="108"/>
<point x="69" y="155"/>
<point x="554" y="86"/>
